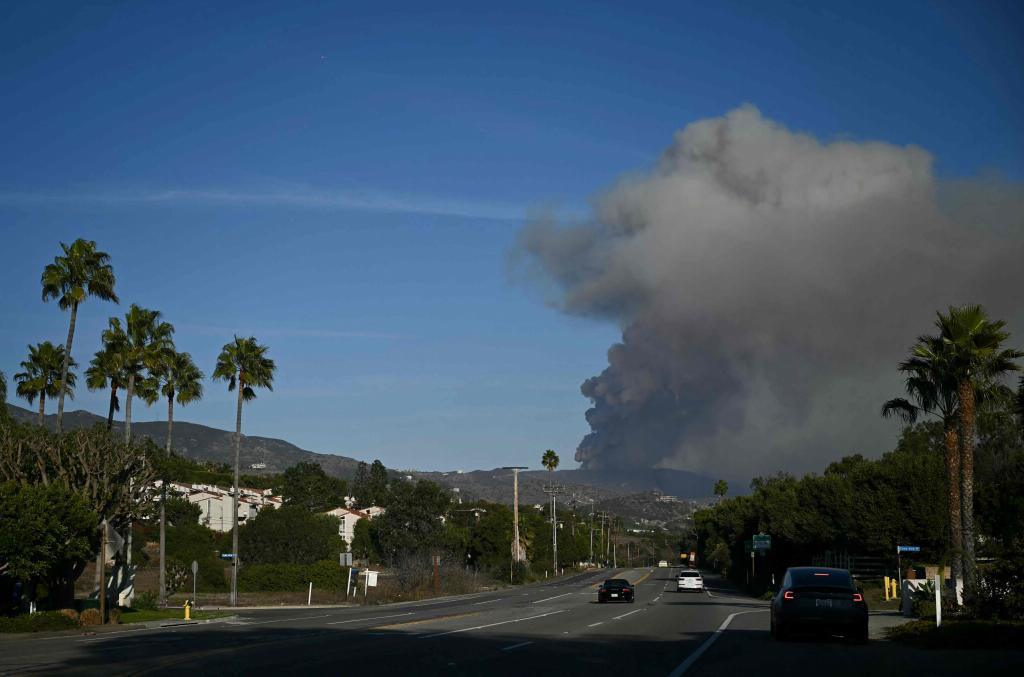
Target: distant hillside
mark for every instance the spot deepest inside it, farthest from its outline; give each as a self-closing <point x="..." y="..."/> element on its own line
<point x="646" y="509"/>
<point x="209" y="444"/>
<point x="212" y="444"/>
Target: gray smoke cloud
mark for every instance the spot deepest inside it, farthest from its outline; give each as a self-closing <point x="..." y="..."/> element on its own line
<point x="767" y="284"/>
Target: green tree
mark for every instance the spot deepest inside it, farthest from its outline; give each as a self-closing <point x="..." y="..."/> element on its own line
<point x="291" y="535"/>
<point x="82" y="271"/>
<point x="178" y="379"/>
<point x="721" y="488"/>
<point x="106" y="369"/>
<point x="413" y="521"/>
<point x="371" y="484"/>
<point x="364" y="541"/>
<point x="307" y="486"/>
<point x="244" y="364"/>
<point x="934" y="391"/>
<point x="42" y="377"/>
<point x="550" y="461"/>
<point x="181" y="511"/>
<point x="46" y="533"/>
<point x="142" y="343"/>
<point x="3" y="389"/>
<point x="975" y="358"/>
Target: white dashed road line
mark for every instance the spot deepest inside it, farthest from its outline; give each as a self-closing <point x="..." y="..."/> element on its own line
<point x="628" y="614"/>
<point x="548" y="599"/>
<point x="491" y="625"/>
<point x="517" y="646"/>
<point x="372" y="618"/>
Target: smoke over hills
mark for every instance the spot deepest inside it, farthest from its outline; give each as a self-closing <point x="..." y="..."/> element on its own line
<point x="767" y="284"/>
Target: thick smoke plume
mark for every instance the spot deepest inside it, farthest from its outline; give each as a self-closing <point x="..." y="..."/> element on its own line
<point x="767" y="284"/>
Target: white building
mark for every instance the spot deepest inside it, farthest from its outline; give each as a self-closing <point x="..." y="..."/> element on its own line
<point x="215" y="502"/>
<point x="349" y="517"/>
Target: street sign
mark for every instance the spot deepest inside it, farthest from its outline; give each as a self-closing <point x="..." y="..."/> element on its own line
<point x="762" y="542"/>
<point x="907" y="548"/>
<point x="371" y="579"/>
<point x="227" y="555"/>
<point x="195" y="567"/>
<point x="345" y="559"/>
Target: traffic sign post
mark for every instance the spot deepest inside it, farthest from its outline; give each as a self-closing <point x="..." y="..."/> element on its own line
<point x="900" y="549"/>
<point x="195" y="571"/>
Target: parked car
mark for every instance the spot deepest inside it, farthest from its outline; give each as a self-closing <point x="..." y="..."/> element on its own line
<point x="616" y="590"/>
<point x="689" y="580"/>
<point x="819" y="599"/>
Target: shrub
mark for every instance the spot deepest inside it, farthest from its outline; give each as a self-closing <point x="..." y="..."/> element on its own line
<point x="1001" y="590"/>
<point x="43" y="621"/>
<point x="70" y="613"/>
<point x="325" y="575"/>
<point x="146" y="601"/>
<point x="91" y="617"/>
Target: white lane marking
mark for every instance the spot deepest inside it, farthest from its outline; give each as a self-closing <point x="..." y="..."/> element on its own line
<point x="548" y="599"/>
<point x="709" y="592"/>
<point x="487" y="601"/>
<point x="517" y="646"/>
<point x="657" y="598"/>
<point x="692" y="658"/>
<point x="445" y="600"/>
<point x="628" y="614"/>
<point x="491" y="625"/>
<point x="592" y="625"/>
<point x="285" y="620"/>
<point x="371" y="618"/>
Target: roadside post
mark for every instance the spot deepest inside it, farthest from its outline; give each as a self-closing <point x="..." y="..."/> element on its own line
<point x="195" y="570"/>
<point x="900" y="549"/>
<point x="309" y="598"/>
<point x="938" y="599"/>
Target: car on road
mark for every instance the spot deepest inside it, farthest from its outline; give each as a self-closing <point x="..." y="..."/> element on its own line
<point x="663" y="564"/>
<point x="616" y="590"/>
<point x="689" y="580"/>
<point x="819" y="599"/>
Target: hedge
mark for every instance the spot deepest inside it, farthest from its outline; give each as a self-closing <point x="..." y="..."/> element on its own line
<point x="42" y="621"/>
<point x="325" y="575"/>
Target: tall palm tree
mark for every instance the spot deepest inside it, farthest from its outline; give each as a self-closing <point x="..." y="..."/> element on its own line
<point x="81" y="272"/>
<point x="3" y="388"/>
<point x="550" y="461"/>
<point x="141" y="343"/>
<point x="42" y="377"/>
<point x="106" y="369"/>
<point x="975" y="359"/>
<point x="178" y="379"/>
<point x="933" y="388"/>
<point x="244" y="364"/>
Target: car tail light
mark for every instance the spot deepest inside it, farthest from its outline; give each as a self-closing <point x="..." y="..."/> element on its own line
<point x="601" y="589"/>
<point x="788" y="595"/>
<point x="857" y="597"/>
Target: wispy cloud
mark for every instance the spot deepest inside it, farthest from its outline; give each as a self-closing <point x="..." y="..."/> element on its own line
<point x="276" y="194"/>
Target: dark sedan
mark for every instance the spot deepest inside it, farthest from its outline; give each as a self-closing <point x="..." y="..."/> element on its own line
<point x="819" y="599"/>
<point x="616" y="590"/>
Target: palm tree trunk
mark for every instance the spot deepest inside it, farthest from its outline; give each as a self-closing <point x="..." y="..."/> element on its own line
<point x="64" y="369"/>
<point x="42" y="406"/>
<point x="110" y="410"/>
<point x="967" y="413"/>
<point x="128" y="408"/>
<point x="163" y="506"/>
<point x="952" y="443"/>
<point x="234" y="502"/>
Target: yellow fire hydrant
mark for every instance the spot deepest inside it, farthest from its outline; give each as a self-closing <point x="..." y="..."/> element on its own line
<point x="188" y="609"/>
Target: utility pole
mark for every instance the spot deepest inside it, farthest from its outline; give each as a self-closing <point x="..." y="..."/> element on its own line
<point x="517" y="548"/>
<point x="553" y="490"/>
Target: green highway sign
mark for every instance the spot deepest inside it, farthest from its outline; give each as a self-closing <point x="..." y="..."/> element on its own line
<point x="762" y="542"/>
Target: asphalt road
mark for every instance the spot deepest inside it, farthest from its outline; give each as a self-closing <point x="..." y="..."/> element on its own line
<point x="558" y="628"/>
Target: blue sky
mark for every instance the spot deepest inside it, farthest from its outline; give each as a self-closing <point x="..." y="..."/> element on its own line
<point x="345" y="182"/>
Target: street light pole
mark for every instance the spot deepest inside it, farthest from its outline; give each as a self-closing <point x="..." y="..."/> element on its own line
<point x="517" y="548"/>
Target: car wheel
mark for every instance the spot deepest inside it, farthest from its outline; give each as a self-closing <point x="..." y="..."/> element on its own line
<point x="781" y="633"/>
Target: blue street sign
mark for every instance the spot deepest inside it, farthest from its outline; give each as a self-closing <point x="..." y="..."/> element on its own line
<point x="227" y="555"/>
<point x="908" y="548"/>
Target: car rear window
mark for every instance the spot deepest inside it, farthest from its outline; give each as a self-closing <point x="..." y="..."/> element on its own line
<point x="689" y="574"/>
<point x="822" y="578"/>
<point x="616" y="583"/>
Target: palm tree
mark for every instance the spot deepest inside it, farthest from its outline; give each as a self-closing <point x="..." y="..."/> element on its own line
<point x="81" y="272"/>
<point x="975" y="359"/>
<point x="931" y="385"/>
<point x="3" y="388"/>
<point x="550" y="461"/>
<point x="106" y="369"/>
<point x="244" y="364"/>
<point x="42" y="377"/>
<point x="141" y="344"/>
<point x="721" y="489"/>
<point x="178" y="378"/>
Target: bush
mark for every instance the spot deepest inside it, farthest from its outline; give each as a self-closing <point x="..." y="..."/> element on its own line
<point x="325" y="575"/>
<point x="146" y="601"/>
<point x="91" y="617"/>
<point x="70" y="613"/>
<point x="290" y="535"/>
<point x="1001" y="590"/>
<point x="44" y="621"/>
<point x="960" y="634"/>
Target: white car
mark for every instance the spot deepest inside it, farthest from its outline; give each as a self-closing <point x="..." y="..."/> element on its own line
<point x="690" y="580"/>
<point x="663" y="564"/>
